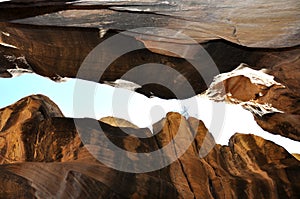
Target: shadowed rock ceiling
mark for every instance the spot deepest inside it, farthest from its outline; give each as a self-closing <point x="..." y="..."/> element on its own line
<point x="55" y="38"/>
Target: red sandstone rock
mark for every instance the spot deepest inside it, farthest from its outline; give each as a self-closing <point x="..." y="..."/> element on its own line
<point x="55" y="162"/>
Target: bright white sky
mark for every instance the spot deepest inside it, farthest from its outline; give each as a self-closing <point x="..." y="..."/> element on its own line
<point x="98" y="100"/>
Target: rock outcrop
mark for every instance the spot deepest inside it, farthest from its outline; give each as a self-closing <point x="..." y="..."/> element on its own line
<point x="202" y="20"/>
<point x="56" y="38"/>
<point x="19" y="124"/>
<point x="274" y="104"/>
<point x="287" y="72"/>
<point x="45" y="155"/>
<point x="118" y="122"/>
<point x="49" y="158"/>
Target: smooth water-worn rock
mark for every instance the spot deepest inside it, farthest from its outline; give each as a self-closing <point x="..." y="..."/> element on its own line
<point x="50" y="159"/>
<point x="248" y="23"/>
<point x="281" y="96"/>
<point x="56" y="38"/>
<point x="118" y="122"/>
<point x="45" y="155"/>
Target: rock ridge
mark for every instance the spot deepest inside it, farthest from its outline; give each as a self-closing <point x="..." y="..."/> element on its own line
<point x="49" y="150"/>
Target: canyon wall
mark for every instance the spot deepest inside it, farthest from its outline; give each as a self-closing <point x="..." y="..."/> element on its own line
<point x="43" y="155"/>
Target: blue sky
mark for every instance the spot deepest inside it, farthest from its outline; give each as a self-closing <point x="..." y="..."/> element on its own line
<point x="13" y="89"/>
<point x="78" y="98"/>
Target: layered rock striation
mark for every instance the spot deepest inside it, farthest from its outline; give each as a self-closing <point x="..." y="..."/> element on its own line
<point x="56" y="37"/>
<point x="44" y="155"/>
<point x="55" y="45"/>
<point x="273" y="102"/>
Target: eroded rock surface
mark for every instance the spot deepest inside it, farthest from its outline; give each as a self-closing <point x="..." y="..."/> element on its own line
<point x="39" y="146"/>
<point x="55" y="162"/>
<point x="286" y="72"/>
<point x="274" y="104"/>
<point x="19" y="125"/>
<point x="56" y="38"/>
<point x="118" y="122"/>
<point x="202" y="20"/>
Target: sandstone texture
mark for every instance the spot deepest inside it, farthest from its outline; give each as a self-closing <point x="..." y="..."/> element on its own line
<point x="56" y="38"/>
<point x="118" y="122"/>
<point x="43" y="156"/>
<point x="284" y="95"/>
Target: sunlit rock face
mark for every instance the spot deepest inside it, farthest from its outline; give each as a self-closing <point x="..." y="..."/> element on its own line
<point x="286" y="99"/>
<point x="282" y="64"/>
<point x="49" y="159"/>
<point x="42" y="154"/>
<point x="202" y="20"/>
<point x="275" y="105"/>
<point x="117" y="122"/>
<point x="56" y="38"/>
<point x="60" y="51"/>
<point x="19" y="127"/>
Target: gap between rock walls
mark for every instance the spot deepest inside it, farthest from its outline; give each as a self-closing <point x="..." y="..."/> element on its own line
<point x="135" y="99"/>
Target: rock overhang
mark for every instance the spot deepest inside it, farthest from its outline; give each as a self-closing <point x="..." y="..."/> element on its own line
<point x="56" y="40"/>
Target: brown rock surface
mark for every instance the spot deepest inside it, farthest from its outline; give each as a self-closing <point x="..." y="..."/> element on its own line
<point x="297" y="156"/>
<point x="248" y="23"/>
<point x="284" y="97"/>
<point x="117" y="122"/>
<point x="19" y="127"/>
<point x="56" y="51"/>
<point x="287" y="72"/>
<point x="39" y="146"/>
<point x="55" y="163"/>
<point x="56" y="37"/>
